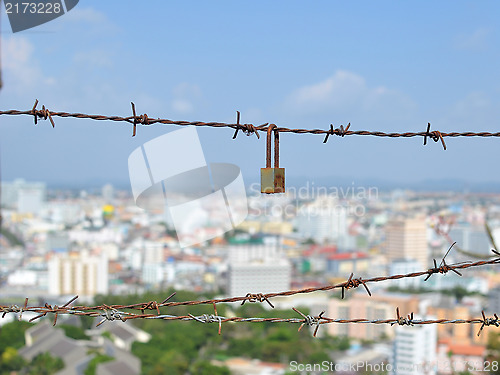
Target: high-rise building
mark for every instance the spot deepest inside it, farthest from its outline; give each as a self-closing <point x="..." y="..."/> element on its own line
<point x="458" y="333"/>
<point x="415" y="349"/>
<point x="407" y="239"/>
<point x="471" y="238"/>
<point x="108" y="193"/>
<point x="359" y="305"/>
<point x="256" y="277"/>
<point x="494" y="300"/>
<point x="258" y="269"/>
<point x="78" y="274"/>
<point x="27" y="197"/>
<point x="324" y="220"/>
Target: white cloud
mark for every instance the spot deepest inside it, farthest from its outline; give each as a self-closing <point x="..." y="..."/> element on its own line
<point x="477" y="41"/>
<point x="92" y="20"/>
<point x="182" y="106"/>
<point x="21" y="69"/>
<point x="347" y="92"/>
<point x="186" y="96"/>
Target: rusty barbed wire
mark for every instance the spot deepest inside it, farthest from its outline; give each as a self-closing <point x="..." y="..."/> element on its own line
<point x="117" y="312"/>
<point x="248" y="129"/>
<point x="112" y="314"/>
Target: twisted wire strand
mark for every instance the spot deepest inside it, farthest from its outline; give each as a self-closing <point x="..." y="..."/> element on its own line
<point x="248" y="129"/>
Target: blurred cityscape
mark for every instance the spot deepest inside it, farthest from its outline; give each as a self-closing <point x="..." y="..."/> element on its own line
<point x="56" y="244"/>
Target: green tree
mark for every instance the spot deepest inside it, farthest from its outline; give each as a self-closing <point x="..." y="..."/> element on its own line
<point x="206" y="368"/>
<point x="172" y="362"/>
<point x="73" y="332"/>
<point x="44" y="364"/>
<point x="10" y="361"/>
<point x="493" y="355"/>
<point x="99" y="358"/>
<point x="12" y="335"/>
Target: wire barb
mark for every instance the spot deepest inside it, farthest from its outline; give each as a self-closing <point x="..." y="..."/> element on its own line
<point x="135" y="119"/>
<point x="488" y="322"/>
<point x="403" y="321"/>
<point x="443" y="267"/>
<point x="9" y="309"/>
<point x="354" y="283"/>
<point x="434" y="135"/>
<point x="170" y="296"/>
<point x="248" y="129"/>
<point x="43" y="113"/>
<point x="256" y="298"/>
<point x="151" y="305"/>
<point x="310" y="320"/>
<point x="110" y="314"/>
<point x="340" y="131"/>
<point x="205" y="318"/>
<point x="331" y="132"/>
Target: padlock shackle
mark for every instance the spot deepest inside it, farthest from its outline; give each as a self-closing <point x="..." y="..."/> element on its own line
<point x="276" y="147"/>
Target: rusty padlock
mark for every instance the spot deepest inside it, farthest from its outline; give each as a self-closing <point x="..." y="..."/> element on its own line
<point x="272" y="180"/>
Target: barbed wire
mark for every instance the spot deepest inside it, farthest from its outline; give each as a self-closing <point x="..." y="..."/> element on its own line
<point x="112" y="314"/>
<point x="117" y="312"/>
<point x="248" y="129"/>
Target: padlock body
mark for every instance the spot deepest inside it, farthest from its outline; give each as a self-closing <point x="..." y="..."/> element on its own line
<point x="272" y="180"/>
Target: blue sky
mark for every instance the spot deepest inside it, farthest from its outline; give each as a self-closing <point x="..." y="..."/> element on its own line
<point x="389" y="66"/>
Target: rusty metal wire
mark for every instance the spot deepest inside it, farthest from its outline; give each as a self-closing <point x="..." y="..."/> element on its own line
<point x="117" y="312"/>
<point x="316" y="321"/>
<point x="248" y="129"/>
<point x="108" y="313"/>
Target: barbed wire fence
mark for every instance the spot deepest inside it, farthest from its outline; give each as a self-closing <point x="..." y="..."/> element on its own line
<point x="130" y="312"/>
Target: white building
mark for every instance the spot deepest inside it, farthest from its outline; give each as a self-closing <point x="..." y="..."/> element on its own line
<point x="154" y="252"/>
<point x="22" y="277"/>
<point x="28" y="197"/>
<point x="269" y="250"/>
<point x="325" y="219"/>
<point x="402" y="267"/>
<point x="257" y="277"/>
<point x="471" y="238"/>
<point x="30" y="200"/>
<point x="108" y="193"/>
<point x="78" y="274"/>
<point x="258" y="269"/>
<point x="152" y="273"/>
<point x="63" y="212"/>
<point x="415" y="349"/>
<point x="494" y="300"/>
